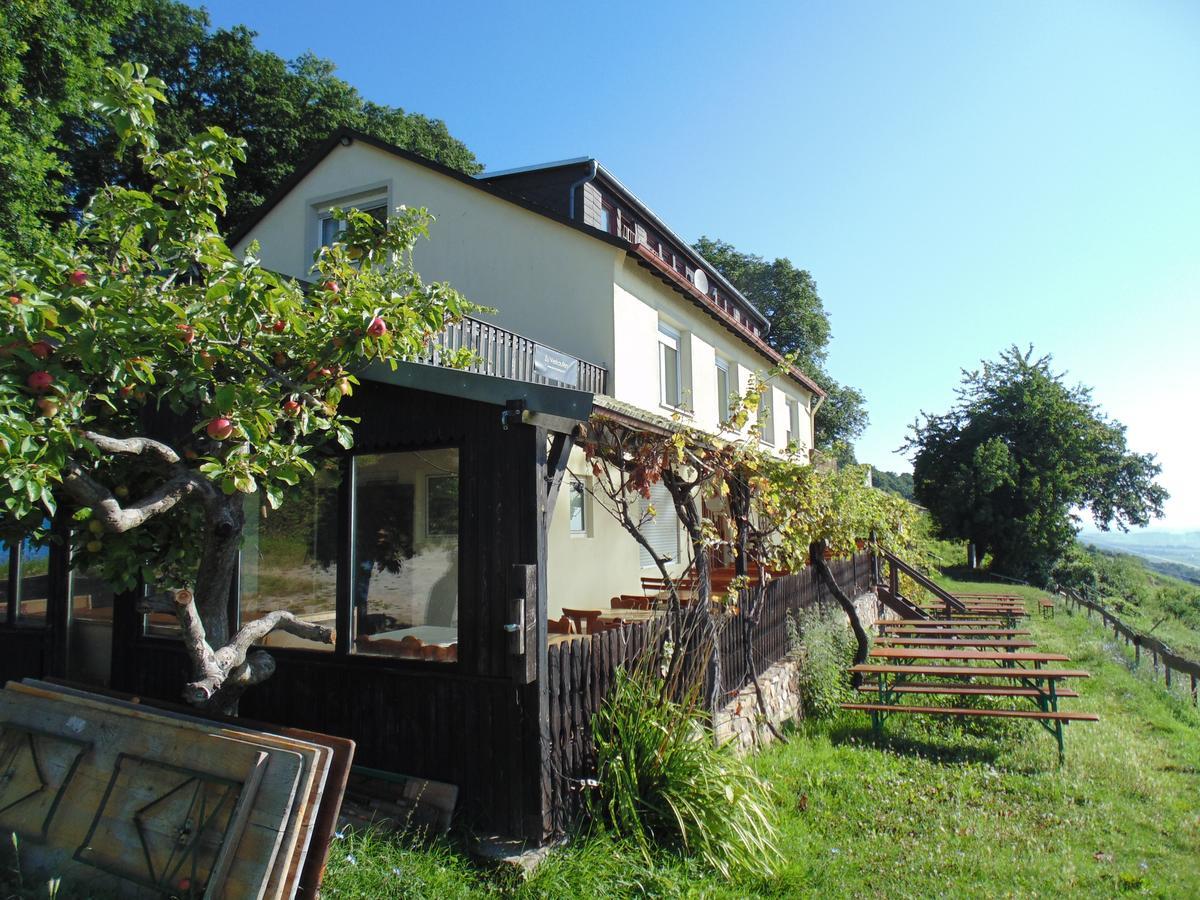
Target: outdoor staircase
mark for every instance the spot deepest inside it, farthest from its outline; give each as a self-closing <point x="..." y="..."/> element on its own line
<point x="899" y="604"/>
<point x="898" y="567"/>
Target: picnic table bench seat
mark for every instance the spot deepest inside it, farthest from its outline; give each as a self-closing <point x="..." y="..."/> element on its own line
<point x="1009" y="672"/>
<point x="914" y="631"/>
<point x="984" y="655"/>
<point x="1051" y="715"/>
<point x="963" y="690"/>
<point x="950" y="642"/>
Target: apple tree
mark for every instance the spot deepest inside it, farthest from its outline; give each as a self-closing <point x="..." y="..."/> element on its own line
<point x="150" y="378"/>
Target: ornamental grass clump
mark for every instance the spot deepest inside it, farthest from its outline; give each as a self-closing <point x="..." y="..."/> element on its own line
<point x="665" y="784"/>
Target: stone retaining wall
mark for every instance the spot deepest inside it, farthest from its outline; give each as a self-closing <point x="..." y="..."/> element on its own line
<point x="741" y="721"/>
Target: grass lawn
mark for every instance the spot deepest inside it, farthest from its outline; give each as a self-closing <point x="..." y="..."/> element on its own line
<point x="939" y="808"/>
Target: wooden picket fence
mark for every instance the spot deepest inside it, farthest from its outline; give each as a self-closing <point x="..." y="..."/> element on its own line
<point x="583" y="672"/>
<point x="1162" y="656"/>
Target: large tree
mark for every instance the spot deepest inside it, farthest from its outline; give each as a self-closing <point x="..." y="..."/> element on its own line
<point x="788" y="297"/>
<point x="50" y="56"/>
<point x="150" y="380"/>
<point x="220" y="78"/>
<point x="1020" y="454"/>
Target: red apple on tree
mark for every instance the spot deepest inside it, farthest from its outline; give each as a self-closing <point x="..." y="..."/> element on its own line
<point x="280" y="326"/>
<point x="187" y="333"/>
<point x="79" y="278"/>
<point x="48" y="406"/>
<point x="377" y="328"/>
<point x="39" y="382"/>
<point x="41" y="349"/>
<point x="291" y="407"/>
<point x="331" y="286"/>
<point x="220" y="428"/>
<point x="14" y="299"/>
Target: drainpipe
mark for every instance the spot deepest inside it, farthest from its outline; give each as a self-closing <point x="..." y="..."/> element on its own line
<point x="576" y="186"/>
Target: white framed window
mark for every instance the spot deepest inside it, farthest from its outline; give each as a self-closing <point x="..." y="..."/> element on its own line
<point x="670" y="369"/>
<point x="793" y="435"/>
<point x="723" y="391"/>
<point x="766" y="424"/>
<point x="577" y="506"/>
<point x="662" y="532"/>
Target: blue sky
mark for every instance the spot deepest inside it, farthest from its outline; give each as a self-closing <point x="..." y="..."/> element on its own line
<point x="958" y="177"/>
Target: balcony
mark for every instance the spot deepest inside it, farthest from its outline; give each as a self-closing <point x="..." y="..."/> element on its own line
<point x="508" y="355"/>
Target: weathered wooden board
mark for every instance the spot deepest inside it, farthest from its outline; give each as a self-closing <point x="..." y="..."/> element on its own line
<point x="293" y="850"/>
<point x="113" y="735"/>
<point x="326" y="820"/>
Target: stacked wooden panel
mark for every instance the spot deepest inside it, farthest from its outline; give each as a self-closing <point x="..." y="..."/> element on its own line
<point x="137" y="801"/>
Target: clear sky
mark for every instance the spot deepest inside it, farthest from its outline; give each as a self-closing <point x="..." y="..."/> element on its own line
<point x="957" y="176"/>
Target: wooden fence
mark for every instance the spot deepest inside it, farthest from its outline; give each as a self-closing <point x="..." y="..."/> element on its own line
<point x="583" y="672"/>
<point x="1163" y="656"/>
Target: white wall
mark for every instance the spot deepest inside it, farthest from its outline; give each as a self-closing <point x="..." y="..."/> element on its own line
<point x="546" y="281"/>
<point x="587" y="571"/>
<point x="640" y="302"/>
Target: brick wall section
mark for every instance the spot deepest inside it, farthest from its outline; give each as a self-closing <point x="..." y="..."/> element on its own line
<point x="740" y="720"/>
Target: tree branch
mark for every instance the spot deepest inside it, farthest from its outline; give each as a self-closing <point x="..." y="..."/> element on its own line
<point x="134" y="446"/>
<point x="119" y="519"/>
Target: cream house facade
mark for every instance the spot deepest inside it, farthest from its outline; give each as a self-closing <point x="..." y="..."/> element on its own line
<point x="567" y="257"/>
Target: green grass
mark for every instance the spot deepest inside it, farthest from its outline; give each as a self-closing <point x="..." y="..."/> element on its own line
<point x="936" y="809"/>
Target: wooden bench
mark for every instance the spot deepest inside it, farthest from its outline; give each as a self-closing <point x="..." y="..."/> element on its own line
<point x="900" y="641"/>
<point x="1047" y="607"/>
<point x="964" y="632"/>
<point x="964" y="690"/>
<point x="981" y="655"/>
<point x="1008" y="672"/>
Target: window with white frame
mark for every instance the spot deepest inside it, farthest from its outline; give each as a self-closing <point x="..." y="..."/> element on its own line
<point x="661" y="531"/>
<point x="793" y="435"/>
<point x="329" y="228"/>
<point x="766" y="424"/>
<point x="670" y="370"/>
<point x="723" y="392"/>
<point x="577" y="506"/>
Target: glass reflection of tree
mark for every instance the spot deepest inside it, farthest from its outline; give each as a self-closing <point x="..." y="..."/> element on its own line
<point x="383" y="540"/>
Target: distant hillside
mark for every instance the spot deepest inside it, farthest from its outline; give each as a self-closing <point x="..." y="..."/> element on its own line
<point x="893" y="482"/>
<point x="1174" y="553"/>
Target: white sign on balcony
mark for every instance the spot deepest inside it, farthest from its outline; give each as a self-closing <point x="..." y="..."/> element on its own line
<point x="560" y="368"/>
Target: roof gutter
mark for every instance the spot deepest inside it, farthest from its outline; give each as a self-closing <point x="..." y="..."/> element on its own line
<point x="577" y="185"/>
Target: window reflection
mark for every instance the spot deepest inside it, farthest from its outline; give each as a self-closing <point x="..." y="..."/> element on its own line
<point x="35" y="583"/>
<point x="289" y="556"/>
<point x="92" y="599"/>
<point x="406" y="554"/>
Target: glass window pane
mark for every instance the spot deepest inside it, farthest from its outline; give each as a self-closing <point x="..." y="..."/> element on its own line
<point x="406" y="554"/>
<point x="330" y="229"/>
<point x="91" y="628"/>
<point x="289" y="557"/>
<point x="722" y="393"/>
<point x="669" y="358"/>
<point x="35" y="582"/>
<point x="5" y="567"/>
<point x="577" y="516"/>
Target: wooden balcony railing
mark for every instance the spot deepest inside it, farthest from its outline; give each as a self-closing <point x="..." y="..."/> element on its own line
<point x="509" y="355"/>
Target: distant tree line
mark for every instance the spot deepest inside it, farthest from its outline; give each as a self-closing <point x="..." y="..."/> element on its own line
<point x="900" y="483"/>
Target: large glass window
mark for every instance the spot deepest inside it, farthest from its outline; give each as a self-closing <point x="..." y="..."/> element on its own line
<point x="5" y="570"/>
<point x="331" y="227"/>
<point x="289" y="556"/>
<point x="668" y="367"/>
<point x="577" y="505"/>
<point x="405" y="584"/>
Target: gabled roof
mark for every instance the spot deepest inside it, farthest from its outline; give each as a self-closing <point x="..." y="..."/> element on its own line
<point x="347" y="136"/>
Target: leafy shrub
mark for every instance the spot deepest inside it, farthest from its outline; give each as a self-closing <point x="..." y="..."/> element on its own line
<point x="825" y="646"/>
<point x="664" y="782"/>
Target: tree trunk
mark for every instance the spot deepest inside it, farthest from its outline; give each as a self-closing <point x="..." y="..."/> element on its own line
<point x="817" y="552"/>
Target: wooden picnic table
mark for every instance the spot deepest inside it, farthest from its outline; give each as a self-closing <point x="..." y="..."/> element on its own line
<point x="1038" y="684"/>
<point x="941" y="623"/>
<point x="915" y="631"/>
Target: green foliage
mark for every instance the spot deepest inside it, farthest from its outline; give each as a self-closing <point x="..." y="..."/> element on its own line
<point x="898" y="483"/>
<point x="50" y="60"/>
<point x="663" y="782"/>
<point x="219" y="78"/>
<point x="823" y="643"/>
<point x="140" y="313"/>
<point x="800" y="328"/>
<point x="1018" y="452"/>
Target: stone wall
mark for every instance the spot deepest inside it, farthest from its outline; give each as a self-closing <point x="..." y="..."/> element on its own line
<point x="741" y="722"/>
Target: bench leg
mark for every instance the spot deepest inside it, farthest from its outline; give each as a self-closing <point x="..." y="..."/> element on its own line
<point x="1058" y="733"/>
